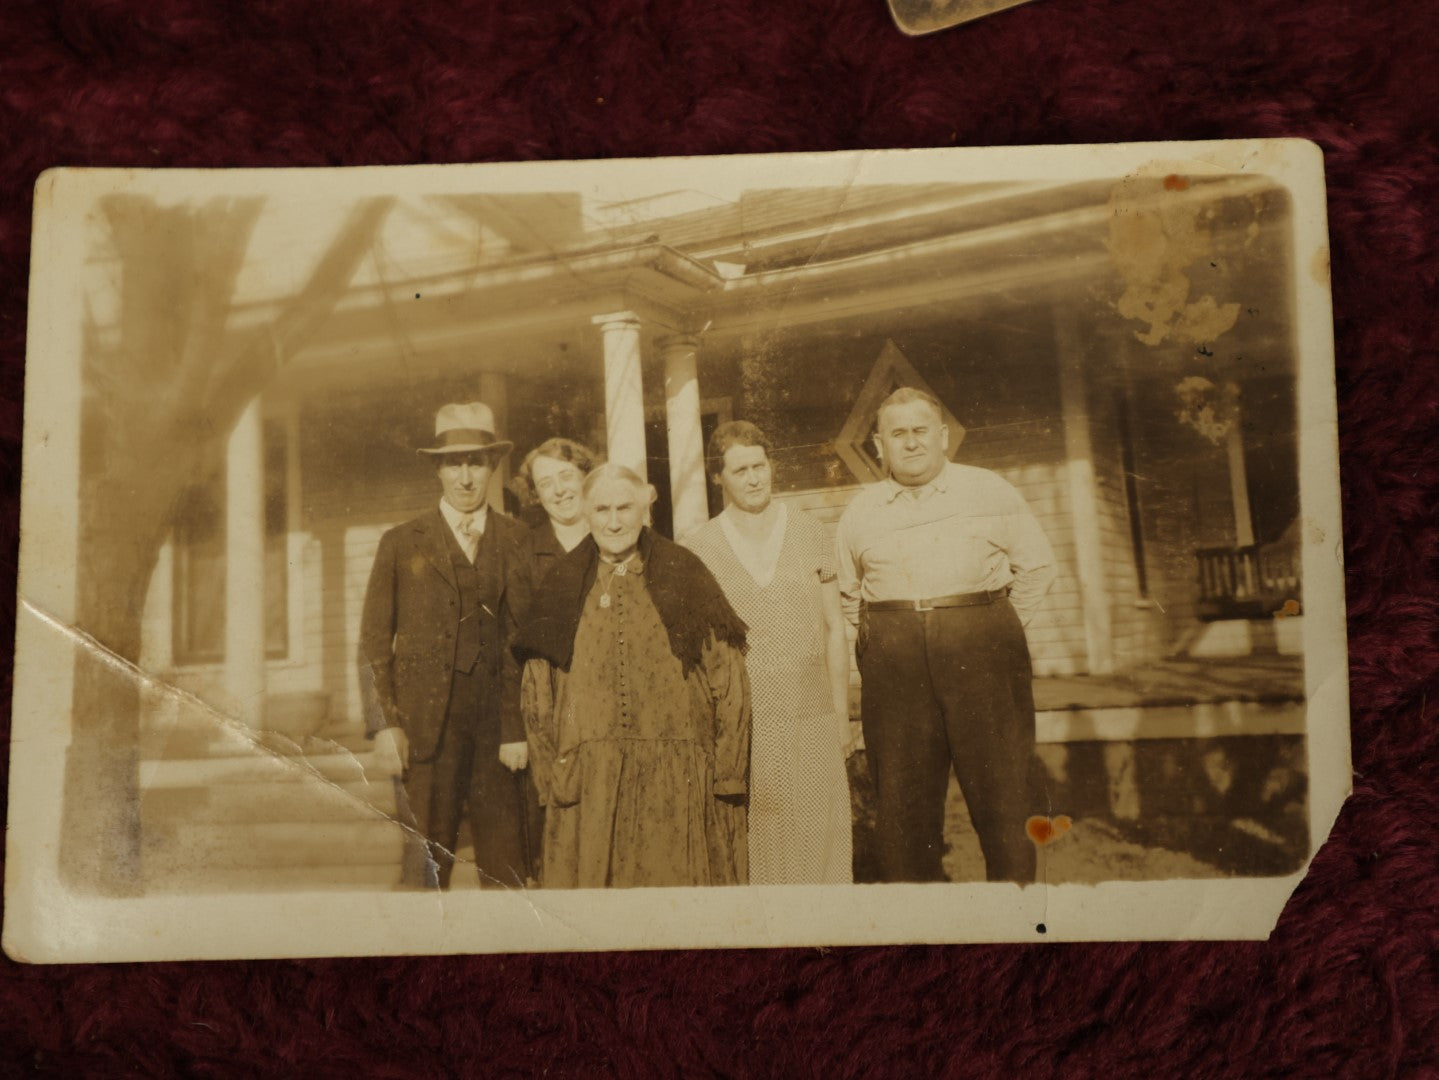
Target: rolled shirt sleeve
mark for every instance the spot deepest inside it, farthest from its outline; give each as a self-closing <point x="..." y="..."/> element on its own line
<point x="847" y="565"/>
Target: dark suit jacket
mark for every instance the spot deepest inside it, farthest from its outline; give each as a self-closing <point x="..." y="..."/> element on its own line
<point x="409" y="628"/>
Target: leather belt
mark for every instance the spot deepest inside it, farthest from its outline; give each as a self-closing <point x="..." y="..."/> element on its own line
<point x="970" y="599"/>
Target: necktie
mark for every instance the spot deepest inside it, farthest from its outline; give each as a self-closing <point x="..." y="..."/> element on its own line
<point x="471" y="534"/>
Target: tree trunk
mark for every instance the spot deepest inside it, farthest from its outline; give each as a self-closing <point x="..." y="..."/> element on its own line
<point x="171" y="391"/>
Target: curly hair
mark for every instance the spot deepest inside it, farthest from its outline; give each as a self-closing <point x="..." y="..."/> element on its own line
<point x="558" y="449"/>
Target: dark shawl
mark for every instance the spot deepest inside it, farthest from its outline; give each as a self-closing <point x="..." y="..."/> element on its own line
<point x="684" y="592"/>
<point x="543" y="549"/>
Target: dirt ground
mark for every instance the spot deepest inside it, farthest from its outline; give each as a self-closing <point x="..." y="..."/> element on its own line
<point x="1093" y="849"/>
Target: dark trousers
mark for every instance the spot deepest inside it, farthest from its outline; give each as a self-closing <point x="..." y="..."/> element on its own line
<point x="465" y="780"/>
<point x="949" y="688"/>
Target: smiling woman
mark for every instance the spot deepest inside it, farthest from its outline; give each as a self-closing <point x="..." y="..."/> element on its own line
<point x="554" y="474"/>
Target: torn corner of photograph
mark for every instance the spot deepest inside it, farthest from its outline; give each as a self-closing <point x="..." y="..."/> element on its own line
<point x="964" y="564"/>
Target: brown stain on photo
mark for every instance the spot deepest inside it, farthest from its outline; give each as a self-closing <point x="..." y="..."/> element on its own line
<point x="1043" y="830"/>
<point x="1154" y="239"/>
<point x="1319" y="267"/>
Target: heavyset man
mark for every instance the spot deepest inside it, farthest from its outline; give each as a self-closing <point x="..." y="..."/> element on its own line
<point x="442" y="688"/>
<point x="940" y="567"/>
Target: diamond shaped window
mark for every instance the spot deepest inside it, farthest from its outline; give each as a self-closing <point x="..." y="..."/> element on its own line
<point x="855" y="443"/>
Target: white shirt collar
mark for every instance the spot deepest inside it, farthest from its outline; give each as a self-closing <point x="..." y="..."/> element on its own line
<point x="939" y="483"/>
<point x="453" y="517"/>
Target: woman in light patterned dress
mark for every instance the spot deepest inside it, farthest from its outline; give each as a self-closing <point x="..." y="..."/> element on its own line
<point x="777" y="570"/>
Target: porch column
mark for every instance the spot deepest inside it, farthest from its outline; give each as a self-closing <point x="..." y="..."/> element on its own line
<point x="624" y="390"/>
<point x="245" y="567"/>
<point x="1083" y="498"/>
<point x="686" y="439"/>
<point x="495" y="392"/>
<point x="1239" y="481"/>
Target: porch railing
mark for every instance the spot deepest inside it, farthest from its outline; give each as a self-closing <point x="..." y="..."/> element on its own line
<point x="1248" y="582"/>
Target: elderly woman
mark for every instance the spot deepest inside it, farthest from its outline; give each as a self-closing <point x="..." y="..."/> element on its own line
<point x="777" y="569"/>
<point x="554" y="472"/>
<point x="636" y="706"/>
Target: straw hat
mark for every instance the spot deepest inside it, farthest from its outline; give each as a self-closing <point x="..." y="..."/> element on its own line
<point x="466" y="429"/>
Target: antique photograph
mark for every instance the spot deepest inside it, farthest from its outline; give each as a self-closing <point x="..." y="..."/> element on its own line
<point x="793" y="549"/>
<point x="916" y="17"/>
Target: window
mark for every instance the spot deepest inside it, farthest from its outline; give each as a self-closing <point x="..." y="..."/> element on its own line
<point x="198" y="622"/>
<point x="855" y="443"/>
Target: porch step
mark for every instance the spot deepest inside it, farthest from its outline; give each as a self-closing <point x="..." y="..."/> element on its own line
<point x="214" y="739"/>
<point x="349" y="738"/>
<point x="1268" y="636"/>
<point x="259" y="765"/>
<point x="228" y="808"/>
<point x="1203" y="721"/>
<point x="318" y="848"/>
<point x="256" y="802"/>
<point x="205" y="879"/>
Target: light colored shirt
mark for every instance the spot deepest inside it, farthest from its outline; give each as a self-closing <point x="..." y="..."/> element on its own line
<point x="468" y="528"/>
<point x="968" y="530"/>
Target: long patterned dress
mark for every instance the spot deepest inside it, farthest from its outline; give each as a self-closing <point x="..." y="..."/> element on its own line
<point x="633" y="759"/>
<point x="799" y="806"/>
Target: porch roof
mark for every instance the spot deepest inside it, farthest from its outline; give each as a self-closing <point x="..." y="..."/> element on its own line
<point x="771" y="258"/>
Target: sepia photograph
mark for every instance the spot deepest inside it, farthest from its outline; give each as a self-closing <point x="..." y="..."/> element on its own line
<point x="933" y="545"/>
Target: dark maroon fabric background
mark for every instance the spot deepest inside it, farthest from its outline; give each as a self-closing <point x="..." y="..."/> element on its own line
<point x="1349" y="983"/>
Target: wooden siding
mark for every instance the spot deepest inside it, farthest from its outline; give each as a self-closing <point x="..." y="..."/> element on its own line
<point x="1136" y="634"/>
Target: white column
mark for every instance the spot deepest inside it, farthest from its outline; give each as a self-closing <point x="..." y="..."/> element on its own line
<point x="1246" y="569"/>
<point x="1239" y="482"/>
<point x="686" y="439"/>
<point x="245" y="567"/>
<point x="297" y="539"/>
<point x="495" y="392"/>
<point x="624" y="390"/>
<point x="1083" y="498"/>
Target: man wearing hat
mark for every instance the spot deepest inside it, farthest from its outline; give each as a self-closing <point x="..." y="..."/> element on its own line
<point x="441" y="686"/>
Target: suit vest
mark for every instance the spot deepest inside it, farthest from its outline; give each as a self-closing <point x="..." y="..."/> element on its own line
<point x="478" y="632"/>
